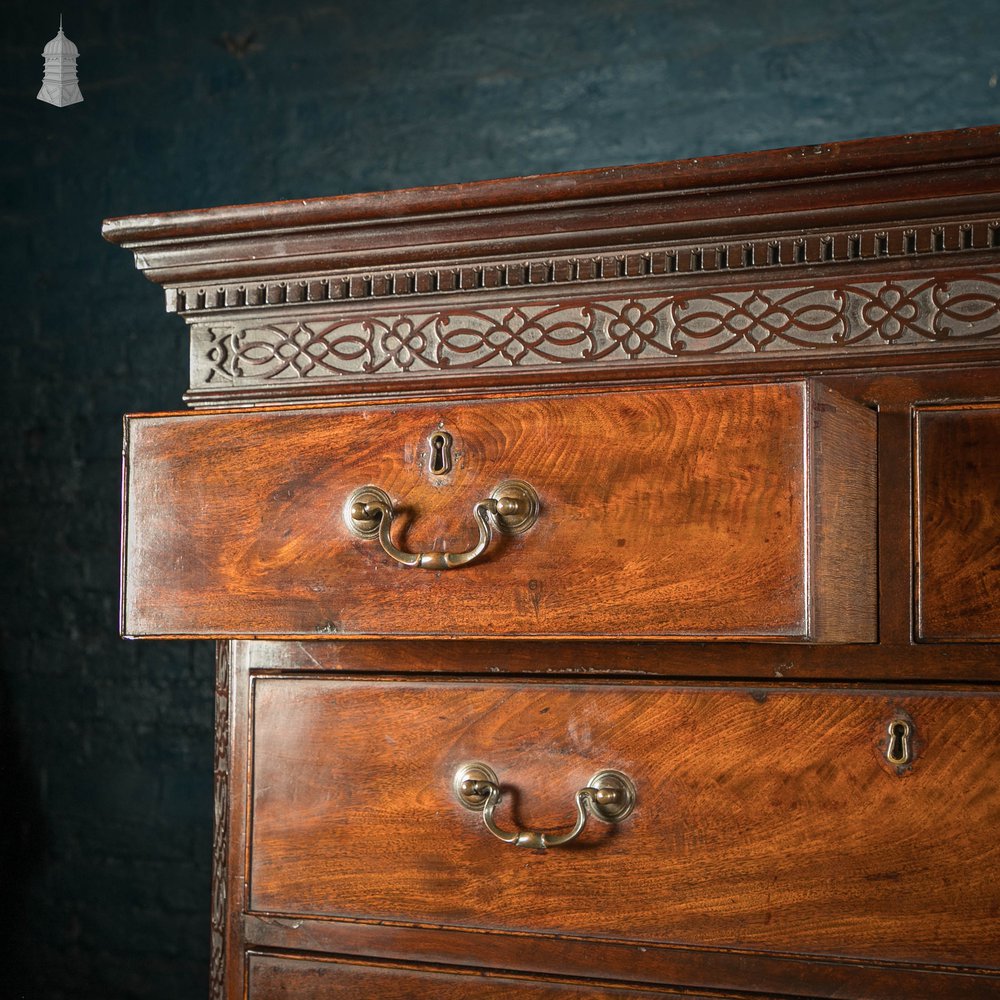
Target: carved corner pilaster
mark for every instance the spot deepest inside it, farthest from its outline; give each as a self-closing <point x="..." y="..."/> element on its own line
<point x="220" y="840"/>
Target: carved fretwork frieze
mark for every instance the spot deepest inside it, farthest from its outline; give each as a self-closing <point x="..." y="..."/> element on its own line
<point x="923" y="312"/>
<point x="675" y="262"/>
<point x="220" y="840"/>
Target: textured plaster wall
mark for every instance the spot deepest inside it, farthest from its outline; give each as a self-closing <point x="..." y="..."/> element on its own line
<point x="106" y="746"/>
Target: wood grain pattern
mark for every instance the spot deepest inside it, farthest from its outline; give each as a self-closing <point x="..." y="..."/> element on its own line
<point x="300" y="978"/>
<point x="767" y="819"/>
<point x="841" y="448"/>
<point x="957" y="460"/>
<point x="674" y="513"/>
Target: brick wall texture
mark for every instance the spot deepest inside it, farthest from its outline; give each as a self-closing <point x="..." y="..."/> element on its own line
<point x="106" y="745"/>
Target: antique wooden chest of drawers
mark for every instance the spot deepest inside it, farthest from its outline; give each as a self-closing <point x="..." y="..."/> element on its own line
<point x="605" y="576"/>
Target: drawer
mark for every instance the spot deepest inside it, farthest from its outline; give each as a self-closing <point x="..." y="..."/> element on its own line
<point x="766" y="820"/>
<point x="957" y="458"/>
<point x="297" y="978"/>
<point x="719" y="512"/>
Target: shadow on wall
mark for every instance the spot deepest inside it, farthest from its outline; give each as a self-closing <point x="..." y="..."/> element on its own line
<point x="24" y="836"/>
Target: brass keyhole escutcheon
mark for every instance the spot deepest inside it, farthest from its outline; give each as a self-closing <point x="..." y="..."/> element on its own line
<point x="899" y="750"/>
<point x="440" y="461"/>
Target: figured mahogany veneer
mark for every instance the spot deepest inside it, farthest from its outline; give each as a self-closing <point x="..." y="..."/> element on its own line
<point x="712" y="512"/>
<point x="958" y="522"/>
<point x="759" y="399"/>
<point x="765" y="819"/>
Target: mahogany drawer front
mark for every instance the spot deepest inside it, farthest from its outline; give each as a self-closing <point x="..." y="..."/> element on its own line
<point x="957" y="458"/>
<point x="764" y="819"/>
<point x="298" y="978"/>
<point x="735" y="511"/>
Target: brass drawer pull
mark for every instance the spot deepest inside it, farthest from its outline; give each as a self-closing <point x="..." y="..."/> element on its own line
<point x="609" y="797"/>
<point x="511" y="508"/>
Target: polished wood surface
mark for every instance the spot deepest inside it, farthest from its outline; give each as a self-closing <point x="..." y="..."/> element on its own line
<point x="300" y="978"/>
<point x="718" y="512"/>
<point x="758" y="396"/>
<point x="958" y="522"/>
<point x="767" y="819"/>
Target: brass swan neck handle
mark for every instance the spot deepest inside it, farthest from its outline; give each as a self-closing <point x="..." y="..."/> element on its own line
<point x="510" y="509"/>
<point x="609" y="796"/>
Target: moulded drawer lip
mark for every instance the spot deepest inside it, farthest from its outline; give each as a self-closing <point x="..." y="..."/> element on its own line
<point x="723" y="512"/>
<point x="278" y="971"/>
<point x="698" y="969"/>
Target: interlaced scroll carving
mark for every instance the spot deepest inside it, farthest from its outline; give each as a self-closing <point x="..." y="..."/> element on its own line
<point x="920" y="311"/>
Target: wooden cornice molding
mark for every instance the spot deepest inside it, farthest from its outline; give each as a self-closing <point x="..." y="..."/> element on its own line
<point x="664" y="266"/>
<point x="844" y="204"/>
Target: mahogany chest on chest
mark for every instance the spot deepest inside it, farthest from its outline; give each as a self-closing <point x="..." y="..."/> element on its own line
<point x="604" y="570"/>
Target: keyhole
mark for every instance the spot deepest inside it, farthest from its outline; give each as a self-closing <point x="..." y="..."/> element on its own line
<point x="440" y="453"/>
<point x="898" y="751"/>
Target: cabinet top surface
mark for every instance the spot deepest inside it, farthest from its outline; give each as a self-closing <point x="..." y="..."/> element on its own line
<point x="957" y="150"/>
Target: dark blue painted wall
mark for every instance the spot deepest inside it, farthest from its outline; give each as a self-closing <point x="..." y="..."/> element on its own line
<point x="105" y="746"/>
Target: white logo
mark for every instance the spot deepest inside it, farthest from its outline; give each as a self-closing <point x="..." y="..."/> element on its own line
<point x="59" y="86"/>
